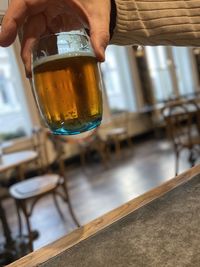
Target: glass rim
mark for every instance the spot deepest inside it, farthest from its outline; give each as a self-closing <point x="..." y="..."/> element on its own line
<point x="47" y="38"/>
<point x="73" y="32"/>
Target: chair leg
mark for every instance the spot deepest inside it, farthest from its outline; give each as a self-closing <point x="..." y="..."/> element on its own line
<point x="117" y="147"/>
<point x="192" y="158"/>
<point x="82" y="158"/>
<point x="104" y="154"/>
<point x="176" y="163"/>
<point x="58" y="207"/>
<point x="26" y="215"/>
<point x="69" y="204"/>
<point x="19" y="218"/>
<point x="129" y="141"/>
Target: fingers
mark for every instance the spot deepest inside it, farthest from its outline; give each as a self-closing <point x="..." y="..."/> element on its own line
<point x="100" y="39"/>
<point x="12" y="21"/>
<point x="33" y="29"/>
<point x="15" y="17"/>
<point x="64" y="22"/>
<point x="99" y="23"/>
<point x="95" y="15"/>
<point x="79" y="10"/>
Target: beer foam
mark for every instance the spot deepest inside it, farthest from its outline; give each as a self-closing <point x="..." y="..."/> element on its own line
<point x="46" y="59"/>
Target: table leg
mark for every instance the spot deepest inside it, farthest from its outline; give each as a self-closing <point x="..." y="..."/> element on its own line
<point x="8" y="254"/>
<point x="6" y="229"/>
<point x="20" y="170"/>
<point x="12" y="249"/>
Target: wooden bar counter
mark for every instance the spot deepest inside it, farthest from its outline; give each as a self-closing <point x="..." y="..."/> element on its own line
<point x="159" y="228"/>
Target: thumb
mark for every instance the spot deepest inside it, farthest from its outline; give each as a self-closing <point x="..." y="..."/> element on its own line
<point x="99" y="35"/>
<point x="33" y="29"/>
<point x="96" y="15"/>
<point x="99" y="24"/>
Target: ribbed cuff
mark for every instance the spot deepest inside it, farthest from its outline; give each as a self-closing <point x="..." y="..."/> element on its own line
<point x="160" y="22"/>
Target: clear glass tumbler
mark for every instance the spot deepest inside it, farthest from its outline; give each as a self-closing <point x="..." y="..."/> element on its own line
<point x="67" y="83"/>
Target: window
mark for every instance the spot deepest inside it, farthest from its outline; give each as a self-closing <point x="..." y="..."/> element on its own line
<point x="170" y="70"/>
<point x="158" y="65"/>
<point x="13" y="115"/>
<point x="118" y="80"/>
<point x="183" y="70"/>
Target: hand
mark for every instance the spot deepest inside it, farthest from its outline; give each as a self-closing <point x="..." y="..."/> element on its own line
<point x="39" y="17"/>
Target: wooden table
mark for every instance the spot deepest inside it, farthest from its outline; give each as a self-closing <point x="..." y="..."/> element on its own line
<point x="17" y="160"/>
<point x="116" y="239"/>
<point x="12" y="161"/>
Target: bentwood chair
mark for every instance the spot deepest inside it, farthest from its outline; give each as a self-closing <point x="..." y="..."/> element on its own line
<point x="119" y="132"/>
<point x="182" y="120"/>
<point x="28" y="192"/>
<point x="93" y="143"/>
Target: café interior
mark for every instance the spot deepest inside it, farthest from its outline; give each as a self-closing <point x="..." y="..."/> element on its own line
<point x="52" y="185"/>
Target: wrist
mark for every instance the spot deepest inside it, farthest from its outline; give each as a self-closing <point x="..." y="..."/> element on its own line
<point x="113" y="14"/>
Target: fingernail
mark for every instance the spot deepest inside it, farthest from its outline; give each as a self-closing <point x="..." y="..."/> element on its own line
<point x="28" y="75"/>
<point x="102" y="54"/>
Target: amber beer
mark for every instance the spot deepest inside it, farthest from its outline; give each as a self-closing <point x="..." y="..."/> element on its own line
<point x="69" y="92"/>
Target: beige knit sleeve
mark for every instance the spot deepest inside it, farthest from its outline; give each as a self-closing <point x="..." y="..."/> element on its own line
<point x="157" y="22"/>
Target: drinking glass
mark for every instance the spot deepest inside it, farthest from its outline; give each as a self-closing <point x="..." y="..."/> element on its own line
<point x="67" y="83"/>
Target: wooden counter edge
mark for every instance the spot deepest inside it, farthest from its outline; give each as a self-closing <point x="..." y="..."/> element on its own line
<point x="46" y="253"/>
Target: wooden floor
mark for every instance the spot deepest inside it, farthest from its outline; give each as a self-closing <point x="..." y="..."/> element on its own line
<point x="96" y="190"/>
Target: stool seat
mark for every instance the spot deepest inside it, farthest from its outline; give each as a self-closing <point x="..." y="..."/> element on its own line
<point x="116" y="131"/>
<point x="35" y="186"/>
<point x="115" y="135"/>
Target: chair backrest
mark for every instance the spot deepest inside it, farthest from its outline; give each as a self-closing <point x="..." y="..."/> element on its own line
<point x="39" y="138"/>
<point x="121" y="120"/>
<point x="59" y="142"/>
<point x="182" y="118"/>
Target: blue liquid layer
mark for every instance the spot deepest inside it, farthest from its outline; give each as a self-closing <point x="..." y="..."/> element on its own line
<point x="64" y="131"/>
